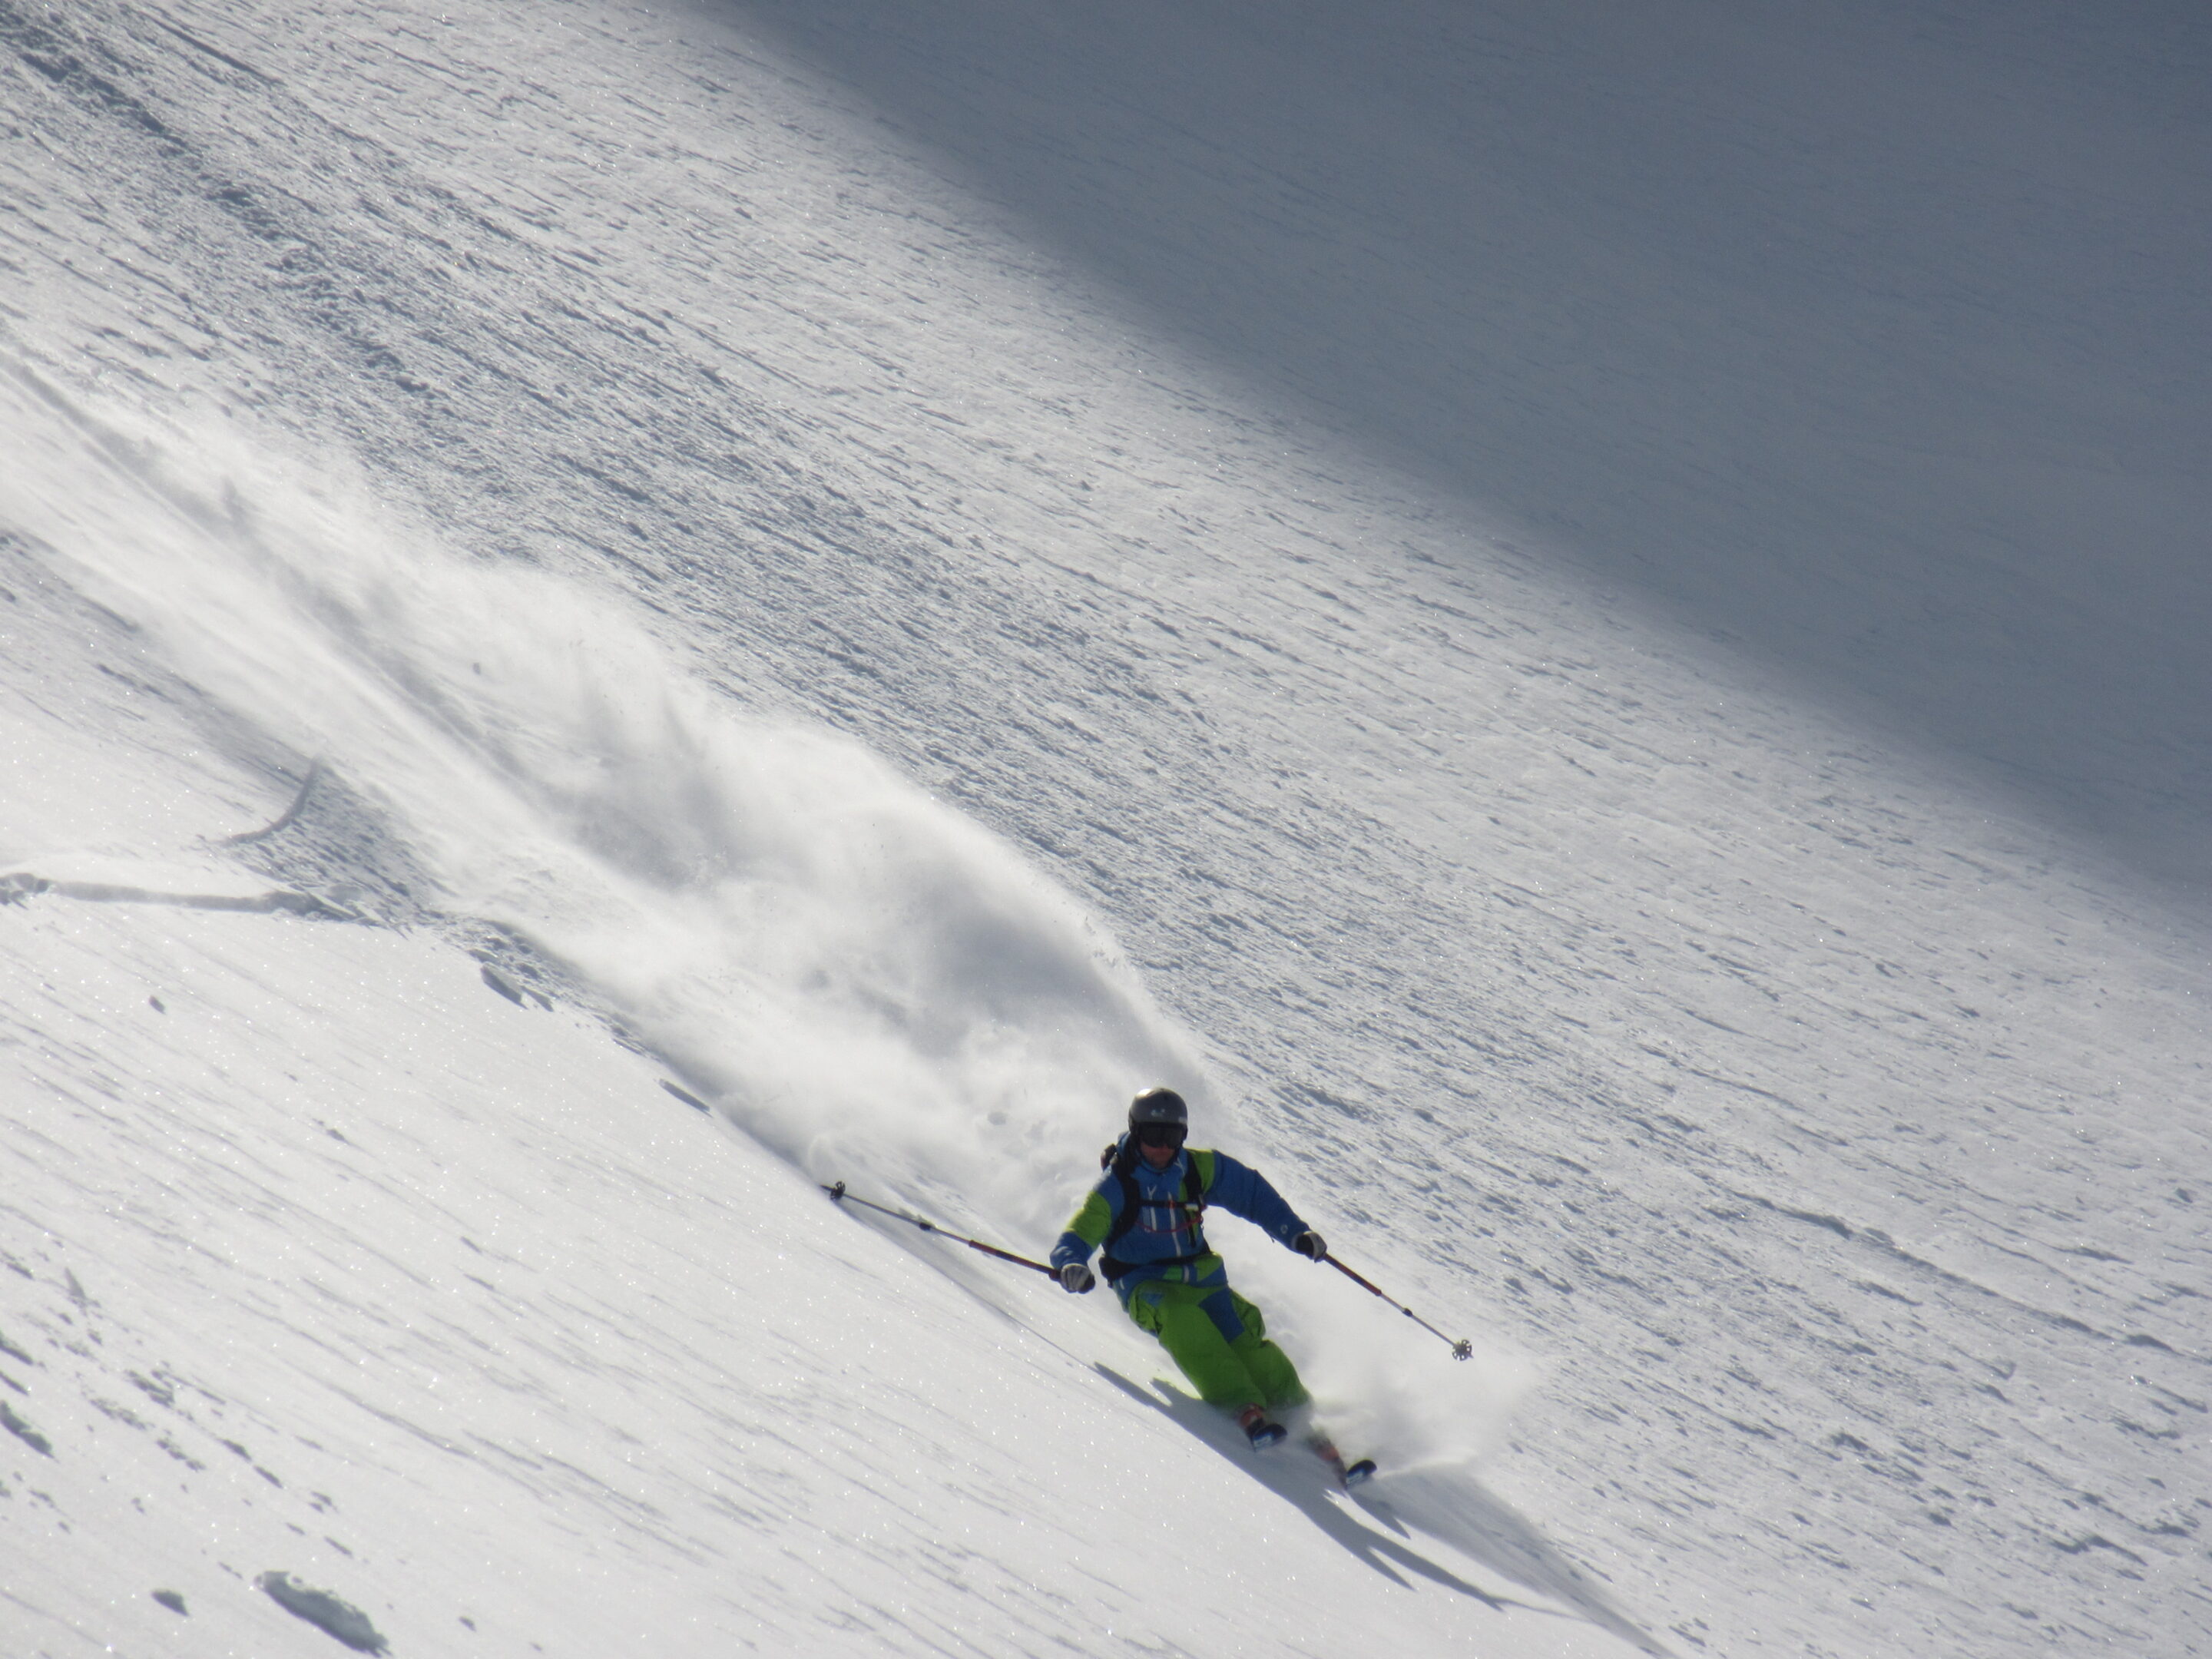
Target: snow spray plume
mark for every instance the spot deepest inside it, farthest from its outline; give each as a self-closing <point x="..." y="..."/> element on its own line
<point x="866" y="979"/>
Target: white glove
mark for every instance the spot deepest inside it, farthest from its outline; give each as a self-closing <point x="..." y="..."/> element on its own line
<point x="1075" y="1279"/>
<point x="1309" y="1244"/>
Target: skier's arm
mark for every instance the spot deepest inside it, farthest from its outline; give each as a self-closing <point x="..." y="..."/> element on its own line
<point x="1243" y="1191"/>
<point x="1086" y="1232"/>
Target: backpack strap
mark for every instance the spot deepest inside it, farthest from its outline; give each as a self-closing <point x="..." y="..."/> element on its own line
<point x="1122" y="1162"/>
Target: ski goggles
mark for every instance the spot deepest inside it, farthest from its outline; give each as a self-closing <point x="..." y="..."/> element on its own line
<point x="1160" y="1135"/>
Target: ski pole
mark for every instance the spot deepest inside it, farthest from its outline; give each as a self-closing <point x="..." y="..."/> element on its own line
<point x="1461" y="1350"/>
<point x="841" y="1196"/>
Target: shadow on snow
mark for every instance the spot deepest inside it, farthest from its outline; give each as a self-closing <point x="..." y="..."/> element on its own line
<point x="1449" y="1505"/>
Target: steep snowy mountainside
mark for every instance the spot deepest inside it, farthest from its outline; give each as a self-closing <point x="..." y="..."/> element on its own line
<point x="1819" y="1110"/>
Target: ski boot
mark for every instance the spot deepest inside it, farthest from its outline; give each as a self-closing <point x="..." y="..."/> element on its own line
<point x="1258" y="1429"/>
<point x="1348" y="1475"/>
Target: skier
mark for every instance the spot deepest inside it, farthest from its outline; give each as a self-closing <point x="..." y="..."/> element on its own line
<point x="1148" y="1211"/>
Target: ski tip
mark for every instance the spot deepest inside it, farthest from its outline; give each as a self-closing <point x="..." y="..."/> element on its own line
<point x="1359" y="1473"/>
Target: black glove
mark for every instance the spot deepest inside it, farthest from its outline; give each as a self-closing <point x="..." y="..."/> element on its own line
<point x="1075" y="1279"/>
<point x="1310" y="1245"/>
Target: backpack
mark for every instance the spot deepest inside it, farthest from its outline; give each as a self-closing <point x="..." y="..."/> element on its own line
<point x="1194" y="1201"/>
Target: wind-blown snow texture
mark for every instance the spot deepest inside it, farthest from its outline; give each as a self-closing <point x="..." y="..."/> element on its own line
<point x="1588" y="625"/>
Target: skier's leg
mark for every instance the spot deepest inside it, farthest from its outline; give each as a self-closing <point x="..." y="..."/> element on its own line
<point x="1269" y="1366"/>
<point x="1176" y="1314"/>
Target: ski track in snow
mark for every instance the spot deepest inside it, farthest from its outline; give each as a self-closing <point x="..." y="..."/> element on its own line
<point x="1826" y="1122"/>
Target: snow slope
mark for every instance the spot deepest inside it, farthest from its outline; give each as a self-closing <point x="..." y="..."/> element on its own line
<point x="781" y="576"/>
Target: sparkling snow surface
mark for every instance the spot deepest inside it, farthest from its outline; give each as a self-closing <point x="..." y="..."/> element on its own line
<point x="1587" y="624"/>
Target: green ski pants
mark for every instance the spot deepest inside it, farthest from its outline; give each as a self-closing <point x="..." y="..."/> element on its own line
<point x="1220" y="1341"/>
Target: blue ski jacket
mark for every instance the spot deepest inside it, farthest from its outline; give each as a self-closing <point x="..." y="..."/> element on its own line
<point x="1166" y="1236"/>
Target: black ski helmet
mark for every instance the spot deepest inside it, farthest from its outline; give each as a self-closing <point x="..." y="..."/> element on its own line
<point x="1159" y="1106"/>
